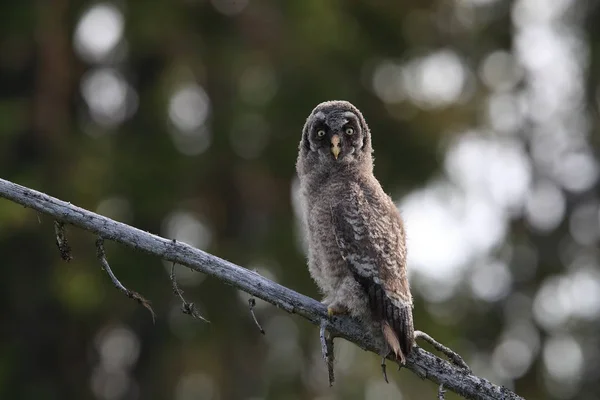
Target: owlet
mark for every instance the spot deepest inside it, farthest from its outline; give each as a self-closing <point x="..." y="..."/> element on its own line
<point x="357" y="245"/>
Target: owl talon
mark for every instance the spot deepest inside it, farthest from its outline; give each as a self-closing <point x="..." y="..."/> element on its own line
<point x="336" y="310"/>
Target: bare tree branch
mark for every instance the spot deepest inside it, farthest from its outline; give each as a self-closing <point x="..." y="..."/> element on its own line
<point x="101" y="254"/>
<point x="186" y="308"/>
<point x="384" y="370"/>
<point x="327" y="351"/>
<point x="61" y="240"/>
<point x="251" y="305"/>
<point x="421" y="362"/>
<point x="453" y="356"/>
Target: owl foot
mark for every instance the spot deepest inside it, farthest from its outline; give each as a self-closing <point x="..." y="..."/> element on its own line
<point x="336" y="310"/>
<point x="334" y="307"/>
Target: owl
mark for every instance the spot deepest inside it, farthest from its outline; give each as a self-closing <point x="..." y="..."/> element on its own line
<point x="356" y="237"/>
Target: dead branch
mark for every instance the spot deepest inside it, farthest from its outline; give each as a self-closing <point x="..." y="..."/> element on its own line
<point x="252" y="304"/>
<point x="101" y="254"/>
<point x="453" y="356"/>
<point x="384" y="369"/>
<point x="186" y="308"/>
<point x="61" y="240"/>
<point x="327" y="351"/>
<point x="421" y="362"/>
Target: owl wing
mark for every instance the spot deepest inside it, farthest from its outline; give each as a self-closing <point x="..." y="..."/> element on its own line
<point x="370" y="237"/>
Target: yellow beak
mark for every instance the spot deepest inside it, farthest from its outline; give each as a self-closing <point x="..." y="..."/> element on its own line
<point x="335" y="146"/>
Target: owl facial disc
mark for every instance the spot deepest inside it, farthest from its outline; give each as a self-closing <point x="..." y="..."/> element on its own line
<point x="335" y="146"/>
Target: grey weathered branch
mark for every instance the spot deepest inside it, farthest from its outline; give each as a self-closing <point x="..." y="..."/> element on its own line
<point x="454" y="357"/>
<point x="251" y="305"/>
<point x="421" y="362"/>
<point x="186" y="308"/>
<point x="101" y="254"/>
<point x="61" y="241"/>
<point x="327" y="351"/>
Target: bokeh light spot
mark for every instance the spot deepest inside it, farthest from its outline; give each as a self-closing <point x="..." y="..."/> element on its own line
<point x="98" y="32"/>
<point x="108" y="95"/>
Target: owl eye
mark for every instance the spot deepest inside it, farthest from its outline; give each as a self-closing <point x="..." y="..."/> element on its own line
<point x="320" y="133"/>
<point x="349" y="131"/>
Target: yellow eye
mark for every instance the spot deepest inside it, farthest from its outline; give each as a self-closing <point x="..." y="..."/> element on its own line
<point x="349" y="131"/>
<point x="321" y="133"/>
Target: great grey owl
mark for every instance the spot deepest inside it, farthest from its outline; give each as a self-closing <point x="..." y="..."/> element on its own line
<point x="356" y="239"/>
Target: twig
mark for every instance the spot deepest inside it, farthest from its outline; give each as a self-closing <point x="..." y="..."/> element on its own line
<point x="327" y="351"/>
<point x="384" y="369"/>
<point x="61" y="241"/>
<point x="252" y="304"/>
<point x="441" y="392"/>
<point x="101" y="254"/>
<point x="453" y="356"/>
<point x="419" y="361"/>
<point x="186" y="308"/>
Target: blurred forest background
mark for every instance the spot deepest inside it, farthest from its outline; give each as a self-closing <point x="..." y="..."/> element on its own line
<point x="183" y="118"/>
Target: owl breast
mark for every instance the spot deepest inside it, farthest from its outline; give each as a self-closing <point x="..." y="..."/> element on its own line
<point x="325" y="261"/>
<point x="326" y="264"/>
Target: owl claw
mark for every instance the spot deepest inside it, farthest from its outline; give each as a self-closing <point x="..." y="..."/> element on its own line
<point x="335" y="310"/>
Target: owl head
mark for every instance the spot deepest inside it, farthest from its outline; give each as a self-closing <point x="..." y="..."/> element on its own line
<point x="335" y="135"/>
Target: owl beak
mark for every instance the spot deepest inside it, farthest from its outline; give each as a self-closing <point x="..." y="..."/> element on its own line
<point x="335" y="146"/>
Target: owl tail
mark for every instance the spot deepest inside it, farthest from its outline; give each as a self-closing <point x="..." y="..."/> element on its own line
<point x="392" y="340"/>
